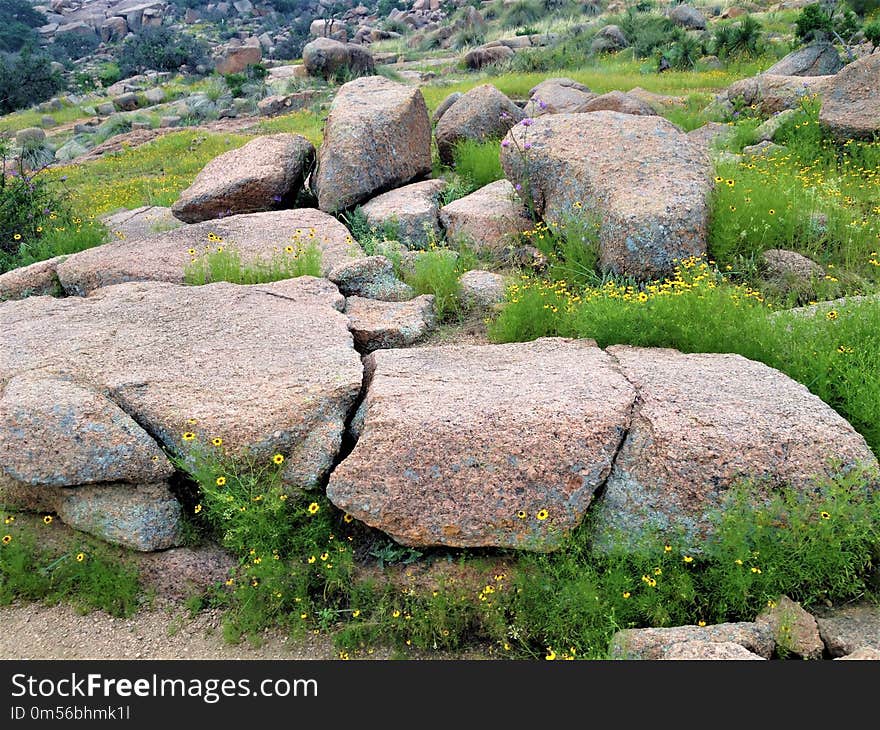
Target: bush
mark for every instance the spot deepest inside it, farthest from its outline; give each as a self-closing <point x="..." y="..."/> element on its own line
<point x="160" y="49"/>
<point x="17" y="22"/>
<point x="523" y="12"/>
<point x="36" y="222"/>
<point x="25" y="80"/>
<point x="744" y="38"/>
<point x="72" y="46"/>
<point x="863" y="8"/>
<point x="820" y="22"/>
<point x="648" y="32"/>
<point x="872" y="31"/>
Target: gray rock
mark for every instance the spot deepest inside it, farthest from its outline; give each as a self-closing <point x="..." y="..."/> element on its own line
<point x="371" y="277"/>
<point x="382" y="325"/>
<point x="816" y="59"/>
<point x="482" y="289"/>
<point x="655" y="643"/>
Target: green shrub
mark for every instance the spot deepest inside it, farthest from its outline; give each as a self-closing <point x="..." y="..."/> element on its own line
<point x="36" y="221"/>
<point x="161" y="49"/>
<point x="437" y="272"/>
<point x="69" y="47"/>
<point x="18" y="19"/>
<point x="648" y="32"/>
<point x="479" y="163"/>
<point x="571" y="247"/>
<point x="26" y="79"/>
<point x="872" y="31"/>
<point x="291" y="571"/>
<point x="522" y="12"/>
<point x="863" y="8"/>
<point x="743" y="38"/>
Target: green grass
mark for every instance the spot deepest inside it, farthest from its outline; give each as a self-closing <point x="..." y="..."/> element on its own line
<point x="479" y="163"/>
<point x="32" y="117"/>
<point x="814" y="197"/>
<point x="296" y="569"/>
<point x="603" y="76"/>
<point x="151" y="174"/>
<point x="306" y="123"/>
<point x="226" y="264"/>
<point x="437" y="272"/>
<point x="83" y="571"/>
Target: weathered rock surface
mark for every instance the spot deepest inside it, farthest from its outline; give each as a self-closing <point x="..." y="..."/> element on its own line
<point x="558" y="96"/>
<point x="268" y="368"/>
<point x="33" y="280"/>
<point x="688" y="17"/>
<point x="181" y="572"/>
<point x="618" y="101"/>
<point x="483" y="56"/>
<point x="609" y="39"/>
<point x="456" y="441"/>
<point x="655" y="643"/>
<point x="266" y="173"/>
<point x="487" y="219"/>
<point x="771" y="93"/>
<point x="705" y="423"/>
<point x="696" y="650"/>
<point x="140" y="222"/>
<point x="482" y="288"/>
<point x="371" y="277"/>
<point x="236" y="59"/>
<point x="864" y="653"/>
<point x="784" y="264"/>
<point x="482" y="114"/>
<point x="816" y="59"/>
<point x="327" y="58"/>
<point x="257" y="237"/>
<point x="644" y="179"/>
<point x="794" y="629"/>
<point x="377" y="137"/>
<point x="412" y="210"/>
<point x="851" y="103"/>
<point x="444" y="106"/>
<point x="849" y="628"/>
<point x="382" y="325"/>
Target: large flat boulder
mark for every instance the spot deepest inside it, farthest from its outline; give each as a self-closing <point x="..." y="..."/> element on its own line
<point x="258" y="237"/>
<point x="851" y="103"/>
<point x="33" y="280"/>
<point x="706" y="423"/>
<point x="267" y="173"/>
<point x="656" y="643"/>
<point x="464" y="446"/>
<point x="86" y="419"/>
<point x="481" y="115"/>
<point x="644" y="180"/>
<point x="377" y="137"/>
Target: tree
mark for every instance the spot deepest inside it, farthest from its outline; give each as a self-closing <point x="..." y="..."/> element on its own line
<point x="25" y="80"/>
<point x="160" y="49"/>
<point x="17" y="22"/>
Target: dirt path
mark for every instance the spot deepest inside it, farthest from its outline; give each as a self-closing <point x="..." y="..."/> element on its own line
<point x="35" y="631"/>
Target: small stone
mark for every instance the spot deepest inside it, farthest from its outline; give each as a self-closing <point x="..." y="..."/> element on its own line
<point x="371" y="277"/>
<point x="482" y="289"/>
<point x="382" y="325"/>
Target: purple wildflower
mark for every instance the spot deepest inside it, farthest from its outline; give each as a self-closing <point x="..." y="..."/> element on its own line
<point x="527" y="122"/>
<point x="527" y="146"/>
<point x="505" y="143"/>
<point x="517" y="187"/>
<point x="542" y="104"/>
<point x="276" y="198"/>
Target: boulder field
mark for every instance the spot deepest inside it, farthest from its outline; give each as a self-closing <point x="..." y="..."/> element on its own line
<point x="455" y="445"/>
